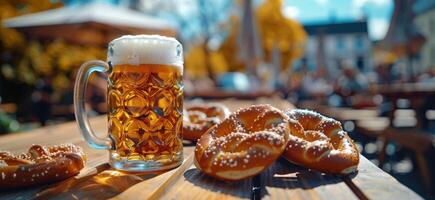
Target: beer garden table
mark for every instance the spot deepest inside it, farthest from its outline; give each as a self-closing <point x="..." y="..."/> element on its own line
<point x="416" y="93"/>
<point x="282" y="180"/>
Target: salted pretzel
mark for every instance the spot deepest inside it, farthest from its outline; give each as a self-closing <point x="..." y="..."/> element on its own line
<point x="40" y="165"/>
<point x="199" y="118"/>
<point x="244" y="144"/>
<point x="319" y="142"/>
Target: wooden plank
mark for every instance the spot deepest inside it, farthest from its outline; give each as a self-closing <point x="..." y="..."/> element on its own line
<point x="376" y="184"/>
<point x="109" y="183"/>
<point x="284" y="180"/>
<point x="193" y="184"/>
<point x="189" y="182"/>
<point x="196" y="185"/>
<point x="181" y="183"/>
<point x="96" y="164"/>
<point x="157" y="186"/>
<point x="50" y="135"/>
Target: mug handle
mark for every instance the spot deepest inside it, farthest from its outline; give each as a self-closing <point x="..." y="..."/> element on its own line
<point x="83" y="74"/>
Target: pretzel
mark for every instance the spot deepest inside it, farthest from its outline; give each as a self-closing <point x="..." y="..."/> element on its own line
<point x="319" y="142"/>
<point x="40" y="165"/>
<point x="244" y="144"/>
<point x="200" y="117"/>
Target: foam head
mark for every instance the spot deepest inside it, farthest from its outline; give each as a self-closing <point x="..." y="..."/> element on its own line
<point x="145" y="49"/>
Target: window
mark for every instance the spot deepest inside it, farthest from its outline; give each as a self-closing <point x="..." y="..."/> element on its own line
<point x="360" y="63"/>
<point x="359" y="42"/>
<point x="340" y="43"/>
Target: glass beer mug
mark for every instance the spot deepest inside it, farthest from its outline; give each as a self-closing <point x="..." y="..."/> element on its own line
<point x="145" y="103"/>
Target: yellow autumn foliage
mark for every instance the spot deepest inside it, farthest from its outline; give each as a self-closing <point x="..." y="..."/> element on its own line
<point x="278" y="31"/>
<point x="218" y="63"/>
<point x="33" y="59"/>
<point x="275" y="30"/>
<point x="11" y="38"/>
<point x="194" y="62"/>
<point x="229" y="48"/>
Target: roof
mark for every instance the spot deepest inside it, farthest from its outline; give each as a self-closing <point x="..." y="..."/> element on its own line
<point x="337" y="28"/>
<point x="93" y="12"/>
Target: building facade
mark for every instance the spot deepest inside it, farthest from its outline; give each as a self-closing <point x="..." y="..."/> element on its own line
<point x="328" y="45"/>
<point x="425" y="21"/>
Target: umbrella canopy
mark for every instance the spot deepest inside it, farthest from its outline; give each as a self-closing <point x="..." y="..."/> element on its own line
<point x="403" y="37"/>
<point x="249" y="44"/>
<point x="93" y="23"/>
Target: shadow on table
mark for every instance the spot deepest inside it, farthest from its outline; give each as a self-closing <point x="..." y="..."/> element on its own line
<point x="102" y="184"/>
<point x="240" y="189"/>
<point x="284" y="174"/>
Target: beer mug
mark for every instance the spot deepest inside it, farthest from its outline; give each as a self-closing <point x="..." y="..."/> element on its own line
<point x="145" y="103"/>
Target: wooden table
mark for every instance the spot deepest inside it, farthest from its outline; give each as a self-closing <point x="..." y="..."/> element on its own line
<point x="421" y="96"/>
<point x="417" y="93"/>
<point x="282" y="180"/>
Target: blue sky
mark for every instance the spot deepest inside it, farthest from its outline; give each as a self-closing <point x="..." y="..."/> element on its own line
<point x="378" y="12"/>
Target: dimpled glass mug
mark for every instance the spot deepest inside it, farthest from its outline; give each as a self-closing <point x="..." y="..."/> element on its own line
<point x="145" y="103"/>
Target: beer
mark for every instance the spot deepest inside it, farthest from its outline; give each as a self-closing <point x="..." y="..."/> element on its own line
<point x="145" y="104"/>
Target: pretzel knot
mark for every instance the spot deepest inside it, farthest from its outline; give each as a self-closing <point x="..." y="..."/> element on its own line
<point x="200" y="117"/>
<point x="40" y="165"/>
<point x="319" y="142"/>
<point x="244" y="144"/>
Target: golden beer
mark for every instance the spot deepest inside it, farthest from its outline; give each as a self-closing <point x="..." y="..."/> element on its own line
<point x="145" y="104"/>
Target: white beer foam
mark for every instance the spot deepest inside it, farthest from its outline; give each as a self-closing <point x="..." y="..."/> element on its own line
<point x="145" y="49"/>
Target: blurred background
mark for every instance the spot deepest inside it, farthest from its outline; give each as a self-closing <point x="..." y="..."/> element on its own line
<point x="368" y="63"/>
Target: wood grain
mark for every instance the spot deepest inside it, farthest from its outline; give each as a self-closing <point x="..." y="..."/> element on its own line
<point x="281" y="181"/>
<point x="376" y="184"/>
<point x="285" y="180"/>
<point x="157" y="186"/>
<point x="194" y="184"/>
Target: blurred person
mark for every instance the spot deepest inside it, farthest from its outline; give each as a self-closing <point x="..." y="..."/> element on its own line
<point x="349" y="86"/>
<point x="400" y="73"/>
<point x="41" y="100"/>
<point x="315" y="85"/>
<point x="386" y="74"/>
<point x="293" y="85"/>
<point x="351" y="80"/>
<point x="428" y="76"/>
<point x="294" y="82"/>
